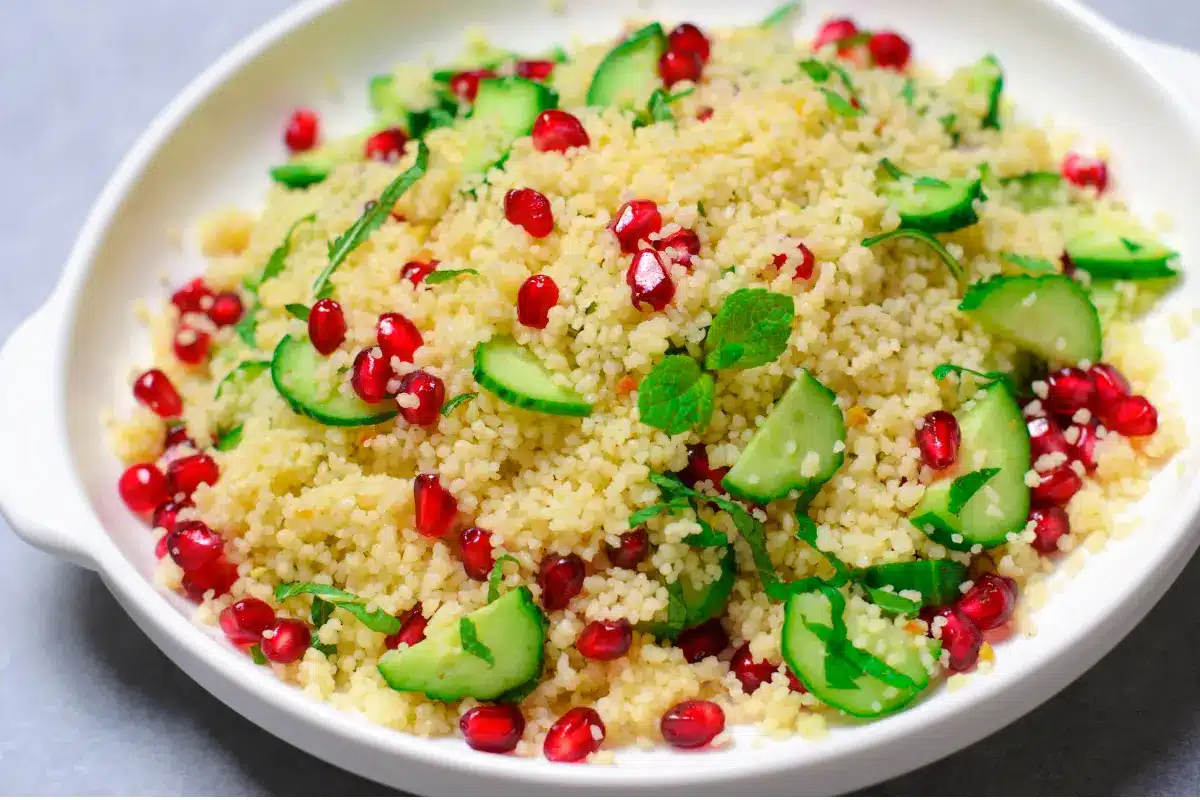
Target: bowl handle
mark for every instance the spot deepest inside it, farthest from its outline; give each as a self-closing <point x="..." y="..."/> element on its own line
<point x="38" y="496"/>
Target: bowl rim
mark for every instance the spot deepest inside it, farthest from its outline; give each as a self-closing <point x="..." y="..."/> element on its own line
<point x="193" y="649"/>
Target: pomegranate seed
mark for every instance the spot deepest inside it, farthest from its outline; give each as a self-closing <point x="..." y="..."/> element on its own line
<point x="833" y="31"/>
<point x="412" y="629"/>
<point x="226" y="309"/>
<point x="1070" y="389"/>
<point x="537" y="295"/>
<point x="889" y="50"/>
<point x="804" y="269"/>
<point x="688" y="38"/>
<point x="561" y="578"/>
<point x="793" y="682"/>
<point x="1045" y="436"/>
<point x="530" y="209"/>
<point x="245" y="620"/>
<point x="387" y="145"/>
<point x="1049" y="525"/>
<point x="990" y="602"/>
<point x="692" y="723"/>
<point x="751" y="673"/>
<point x="698" y="469"/>
<point x="154" y="390"/>
<point x="493" y="728"/>
<point x="634" y="222"/>
<point x="1084" y="171"/>
<point x="679" y="65"/>
<point x="193" y="545"/>
<point x="466" y="84"/>
<point x="633" y="549"/>
<point x="475" y="550"/>
<point x="398" y="336"/>
<point x="1110" y="384"/>
<point x="557" y="131"/>
<point x="188" y="473"/>
<point x="534" y="70"/>
<point x="160" y="547"/>
<point x="704" y="114"/>
<point x="704" y="640"/>
<point x="960" y="636"/>
<point x="938" y="439"/>
<point x="191" y="344"/>
<point x="681" y="247"/>
<point x="649" y="282"/>
<point x="1131" y="416"/>
<point x="416" y="271"/>
<point x="1056" y="487"/>
<point x="217" y="577"/>
<point x="1084" y="449"/>
<point x="326" y="326"/>
<point x="605" y="640"/>
<point x="434" y="506"/>
<point x="286" y="641"/>
<point x="301" y="131"/>
<point x="194" y="297"/>
<point x="370" y="375"/>
<point x="166" y="516"/>
<point x="430" y="393"/>
<point x="142" y="487"/>
<point x="576" y="735"/>
<point x="177" y="435"/>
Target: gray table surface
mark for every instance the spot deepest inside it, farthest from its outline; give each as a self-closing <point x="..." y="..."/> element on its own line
<point x="89" y="706"/>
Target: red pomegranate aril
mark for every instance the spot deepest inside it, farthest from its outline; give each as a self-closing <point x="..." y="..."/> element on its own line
<point x="1084" y="171"/>
<point x="805" y="266"/>
<point x="794" y="683"/>
<point x="430" y="392"/>
<point x="1056" y="487"/>
<point x="990" y="602"/>
<point x="960" y="637"/>
<point x="834" y="30"/>
<point x="1068" y="390"/>
<point x="216" y="577"/>
<point x="689" y="38"/>
<point x="537" y="295"/>
<point x="466" y="84"/>
<point x="143" y="488"/>
<point x="193" y="545"/>
<point x="166" y="515"/>
<point x="387" y="145"/>
<point x="530" y="209"/>
<point x="575" y="736"/>
<point x="557" y="131"/>
<point x="704" y="113"/>
<point x="1045" y="436"/>
<point x="191" y="345"/>
<point x="649" y="282"/>
<point x="751" y="673"/>
<point x="605" y="640"/>
<point x="160" y="547"/>
<point x="475" y="551"/>
<point x="1084" y="449"/>
<point x="434" y="507"/>
<point x="704" y="640"/>
<point x="226" y="309"/>
<point x="370" y="375"/>
<point x="534" y="70"/>
<point x="698" y="468"/>
<point x="397" y="336"/>
<point x="188" y="473"/>
<point x="633" y="549"/>
<point x="889" y="50"/>
<point x="302" y="130"/>
<point x="326" y="326"/>
<point x="493" y="728"/>
<point x="286" y="641"/>
<point x="692" y="723"/>
<point x="560" y="578"/>
<point x="412" y="629"/>
<point x="177" y="435"/>
<point x="681" y="247"/>
<point x="1110" y="384"/>
<point x="634" y="222"/>
<point x="154" y="390"/>
<point x="245" y="620"/>
<point x="1131" y="416"/>
<point x="679" y="65"/>
<point x="415" y="271"/>
<point x="938" y="439"/>
<point x="193" y="297"/>
<point x="1049" y="525"/>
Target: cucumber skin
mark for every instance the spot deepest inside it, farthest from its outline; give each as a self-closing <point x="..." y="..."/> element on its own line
<point x="959" y="216"/>
<point x="514" y="398"/>
<point x="599" y="91"/>
<point x="277" y="370"/>
<point x="547" y="98"/>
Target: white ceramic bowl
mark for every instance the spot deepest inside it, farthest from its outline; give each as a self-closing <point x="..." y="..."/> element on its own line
<point x="211" y="146"/>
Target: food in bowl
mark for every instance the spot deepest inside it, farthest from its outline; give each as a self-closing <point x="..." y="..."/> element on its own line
<point x="614" y="396"/>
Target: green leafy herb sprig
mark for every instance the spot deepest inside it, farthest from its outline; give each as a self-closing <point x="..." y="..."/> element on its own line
<point x="247" y="327"/>
<point x="658" y="107"/>
<point x="325" y="599"/>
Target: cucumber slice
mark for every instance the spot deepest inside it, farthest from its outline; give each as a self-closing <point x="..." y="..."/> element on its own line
<point x="987" y="79"/>
<point x="805" y="653"/>
<point x="516" y="376"/>
<point x="629" y="73"/>
<point x="314" y="166"/>
<point x="1033" y="191"/>
<point x="511" y="627"/>
<point x="1049" y="315"/>
<point x="936" y="580"/>
<point x="708" y="601"/>
<point x="507" y="108"/>
<point x="993" y="436"/>
<point x="776" y="461"/>
<point x="933" y="205"/>
<point x="1120" y="252"/>
<point x="293" y="369"/>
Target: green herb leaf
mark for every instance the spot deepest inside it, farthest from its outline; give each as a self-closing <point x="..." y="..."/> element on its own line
<point x="751" y="328"/>
<point x="247" y="327"/>
<point x="378" y="620"/>
<point x="700" y="209"/>
<point x="559" y="54"/>
<point x="817" y="70"/>
<point x="256" y="655"/>
<point x="496" y="576"/>
<point x="277" y="261"/>
<point x="644" y="515"/>
<point x="676" y="616"/>
<point x="967" y="486"/>
<point x="245" y="371"/>
<point x="937" y="580"/>
<point x="298" y="310"/>
<point x="840" y="105"/>
<point x="1032" y="265"/>
<point x="324" y="292"/>
<point x="893" y="603"/>
<point x="325" y="649"/>
<point x="956" y="269"/>
<point x="228" y="440"/>
<point x="780" y="15"/>
<point x="942" y="370"/>
<point x="909" y="93"/>
<point x="676" y="396"/>
<point x="298" y="175"/>
<point x="322" y="610"/>
<point x="372" y="218"/>
<point x="456" y="401"/>
<point x="707" y="537"/>
<point x="445" y="275"/>
<point x="471" y="643"/>
<point x="840" y="672"/>
<point x="806" y="531"/>
<point x="893" y="171"/>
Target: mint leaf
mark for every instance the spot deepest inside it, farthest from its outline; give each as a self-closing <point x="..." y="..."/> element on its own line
<point x="256" y="655"/>
<point x="643" y="515"/>
<point x="676" y="396"/>
<point x="937" y="580"/>
<point x="676" y="616"/>
<point x="277" y="261"/>
<point x="707" y="537"/>
<point x="894" y="172"/>
<point x="497" y="575"/>
<point x="752" y="328"/>
<point x="909" y="93"/>
<point x="286" y="591"/>
<point x="967" y="486"/>
<point x="471" y="643"/>
<point x="942" y="370"/>
<point x="817" y="70"/>
<point x="455" y="402"/>
<point x="247" y="327"/>
<point x="325" y="649"/>
<point x="840" y="105"/>
<point x="378" y="620"/>
<point x="322" y="610"/>
<point x="807" y="533"/>
<point x="445" y="275"/>
<point x="894" y="603"/>
<point x="1035" y="266"/>
<point x="840" y="672"/>
<point x="700" y="209"/>
<point x="228" y="440"/>
<point x="245" y="371"/>
<point x="780" y="15"/>
<point x="298" y="310"/>
<point x="956" y="269"/>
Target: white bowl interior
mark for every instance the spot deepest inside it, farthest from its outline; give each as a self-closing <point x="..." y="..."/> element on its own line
<point x="1055" y="66"/>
